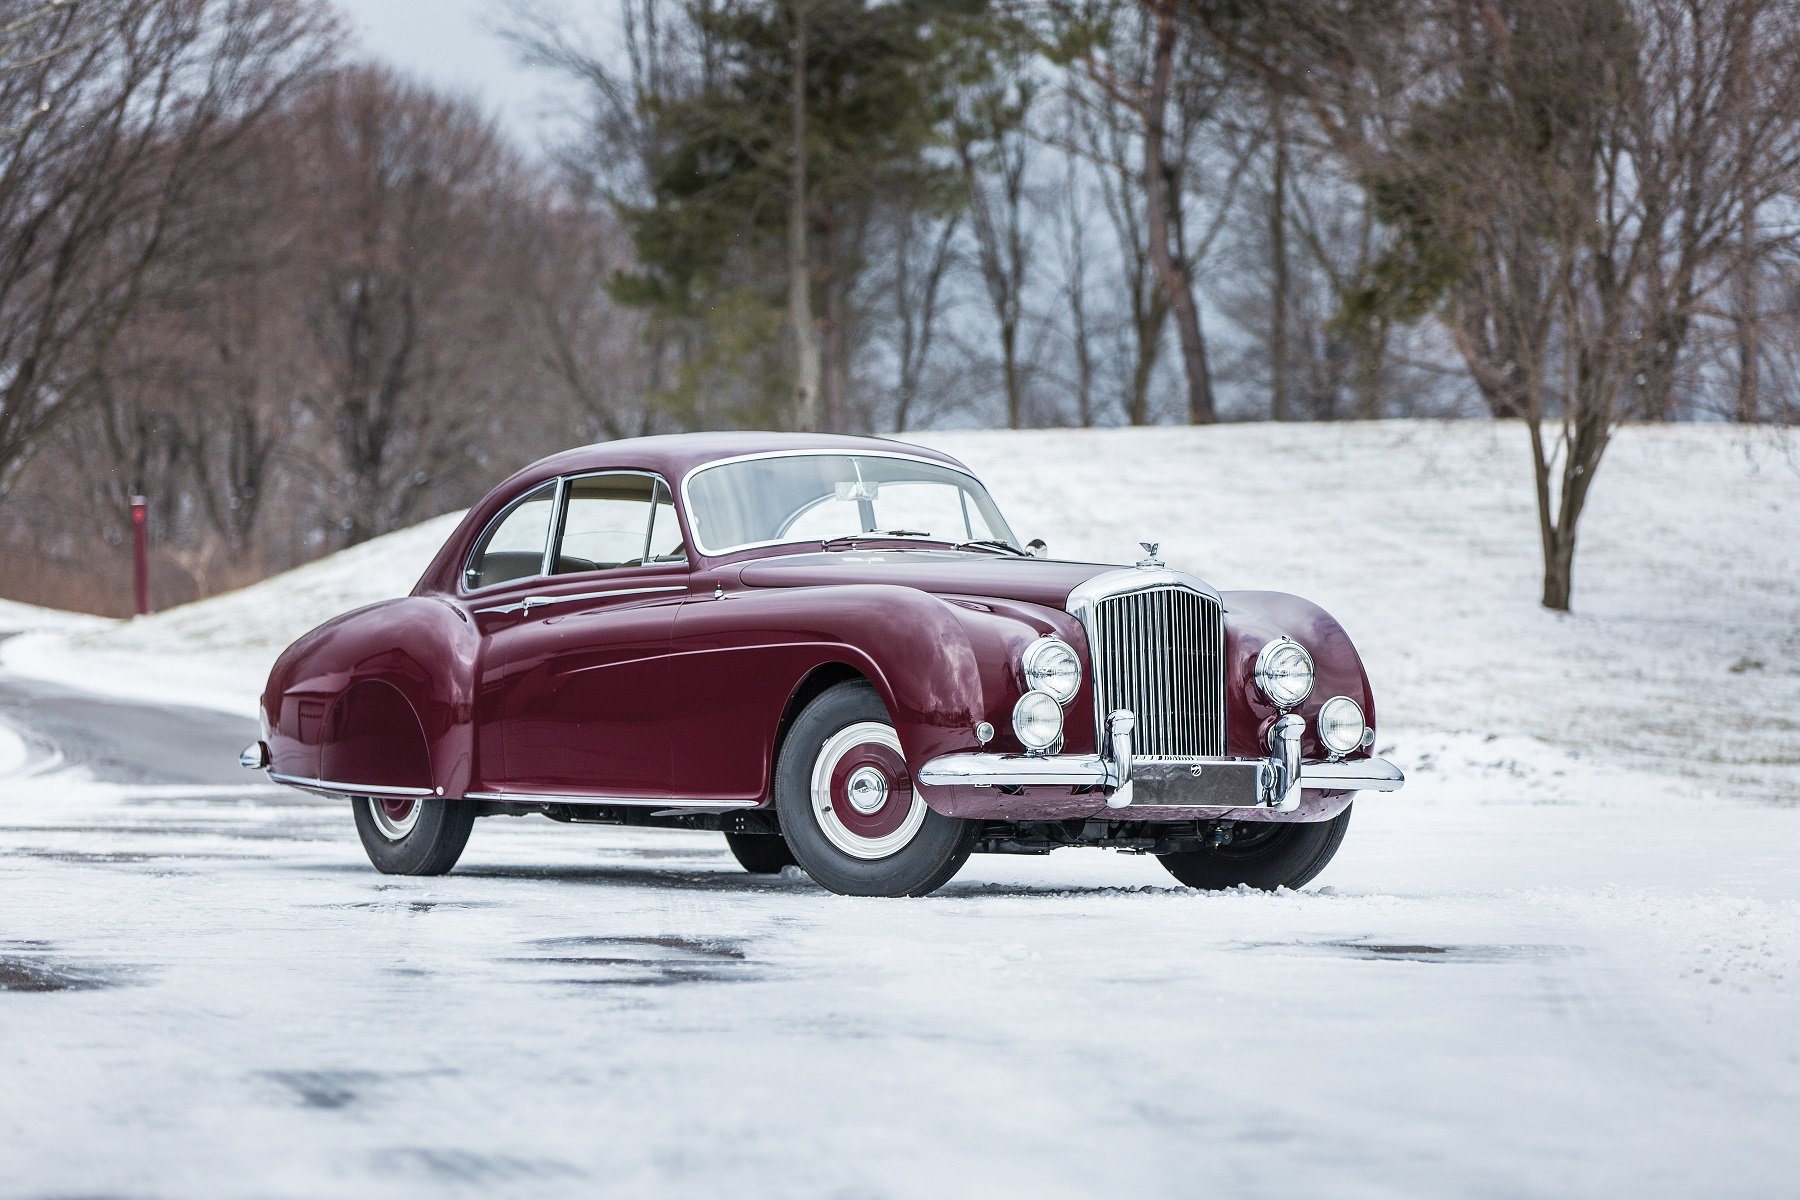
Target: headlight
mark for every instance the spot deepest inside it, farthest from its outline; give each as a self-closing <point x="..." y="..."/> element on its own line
<point x="1052" y="666"/>
<point x="1284" y="672"/>
<point x="1341" y="725"/>
<point x="1037" y="719"/>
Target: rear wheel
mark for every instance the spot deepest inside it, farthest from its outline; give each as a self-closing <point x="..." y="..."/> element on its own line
<point x="760" y="853"/>
<point x="1262" y="854"/>
<point x="407" y="836"/>
<point x="848" y="807"/>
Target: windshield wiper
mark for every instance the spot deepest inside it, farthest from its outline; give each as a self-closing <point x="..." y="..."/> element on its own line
<point x="992" y="544"/>
<point x="853" y="538"/>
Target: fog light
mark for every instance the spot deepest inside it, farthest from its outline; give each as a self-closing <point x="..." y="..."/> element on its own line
<point x="1341" y="725"/>
<point x="1037" y="720"/>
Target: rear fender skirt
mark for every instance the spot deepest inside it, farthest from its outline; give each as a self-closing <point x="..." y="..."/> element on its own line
<point x="373" y="740"/>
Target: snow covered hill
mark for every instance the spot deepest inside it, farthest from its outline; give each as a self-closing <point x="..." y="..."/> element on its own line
<point x="1681" y="661"/>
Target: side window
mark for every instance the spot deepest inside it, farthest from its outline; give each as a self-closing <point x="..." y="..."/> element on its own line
<point x="514" y="545"/>
<point x="666" y="545"/>
<point x="607" y="523"/>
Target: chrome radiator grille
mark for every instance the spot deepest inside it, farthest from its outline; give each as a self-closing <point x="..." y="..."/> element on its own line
<point x="1160" y="652"/>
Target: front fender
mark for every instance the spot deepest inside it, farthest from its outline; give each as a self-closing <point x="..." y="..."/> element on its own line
<point x="1253" y="619"/>
<point x="941" y="666"/>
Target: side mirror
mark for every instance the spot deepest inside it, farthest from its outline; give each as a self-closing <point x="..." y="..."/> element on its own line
<point x="1037" y="548"/>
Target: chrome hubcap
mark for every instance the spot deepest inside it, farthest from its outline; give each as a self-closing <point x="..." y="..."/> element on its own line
<point x="394" y="818"/>
<point x="868" y="789"/>
<point x="862" y="794"/>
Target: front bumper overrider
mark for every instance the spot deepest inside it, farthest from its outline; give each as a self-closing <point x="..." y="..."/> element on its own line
<point x="1275" y="782"/>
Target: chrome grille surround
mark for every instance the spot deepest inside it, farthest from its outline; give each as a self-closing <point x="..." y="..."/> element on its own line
<point x="1156" y="642"/>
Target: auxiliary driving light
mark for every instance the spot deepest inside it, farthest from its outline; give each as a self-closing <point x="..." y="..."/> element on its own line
<point x="1037" y="720"/>
<point x="1341" y="724"/>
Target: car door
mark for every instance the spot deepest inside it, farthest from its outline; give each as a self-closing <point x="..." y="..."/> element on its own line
<point x="574" y="670"/>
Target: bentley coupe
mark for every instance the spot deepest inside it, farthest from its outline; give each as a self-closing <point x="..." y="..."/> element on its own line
<point x="836" y="652"/>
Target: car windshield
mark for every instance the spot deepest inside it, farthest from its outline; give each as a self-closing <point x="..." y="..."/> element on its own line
<point x="822" y="497"/>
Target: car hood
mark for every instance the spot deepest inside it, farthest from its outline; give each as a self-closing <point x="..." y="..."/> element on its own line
<point x="1045" y="582"/>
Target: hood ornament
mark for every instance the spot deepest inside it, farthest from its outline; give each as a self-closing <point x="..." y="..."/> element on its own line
<point x="1150" y="561"/>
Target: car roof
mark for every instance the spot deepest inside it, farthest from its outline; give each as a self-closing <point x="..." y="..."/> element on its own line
<point x="674" y="455"/>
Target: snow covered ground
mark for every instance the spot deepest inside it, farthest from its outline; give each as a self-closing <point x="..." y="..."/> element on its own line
<point x="1564" y="961"/>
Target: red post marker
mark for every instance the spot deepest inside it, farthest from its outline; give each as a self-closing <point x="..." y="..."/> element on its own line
<point x="140" y="555"/>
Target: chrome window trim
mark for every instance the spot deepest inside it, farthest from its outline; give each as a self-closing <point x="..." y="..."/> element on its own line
<point x="687" y="500"/>
<point x="557" y="517"/>
<point x="462" y="578"/>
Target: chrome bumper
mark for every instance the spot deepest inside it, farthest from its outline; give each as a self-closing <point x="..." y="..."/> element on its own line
<point x="1274" y="782"/>
<point x="255" y="757"/>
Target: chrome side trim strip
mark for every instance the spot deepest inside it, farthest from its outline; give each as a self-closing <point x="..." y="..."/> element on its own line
<point x="531" y="602"/>
<point x="632" y="801"/>
<point x="349" y="789"/>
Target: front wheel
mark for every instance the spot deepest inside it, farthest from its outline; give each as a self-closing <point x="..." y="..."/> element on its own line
<point x="848" y="807"/>
<point x="404" y="836"/>
<point x="1262" y="854"/>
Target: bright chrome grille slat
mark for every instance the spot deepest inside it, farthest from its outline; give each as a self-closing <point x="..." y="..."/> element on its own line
<point x="1160" y="653"/>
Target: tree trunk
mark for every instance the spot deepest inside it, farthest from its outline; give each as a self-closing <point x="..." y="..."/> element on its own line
<point x="1749" y="329"/>
<point x="1009" y="363"/>
<point x="833" y="370"/>
<point x="1278" y="316"/>
<point x="1160" y="197"/>
<point x="800" y="314"/>
<point x="1368" y="348"/>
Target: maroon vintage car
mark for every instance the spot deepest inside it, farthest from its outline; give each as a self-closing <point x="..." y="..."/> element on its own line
<point x="836" y="652"/>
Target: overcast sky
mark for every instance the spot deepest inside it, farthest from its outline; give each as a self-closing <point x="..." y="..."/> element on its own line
<point x="452" y="43"/>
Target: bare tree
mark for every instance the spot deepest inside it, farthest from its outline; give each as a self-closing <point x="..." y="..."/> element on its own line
<point x="923" y="252"/>
<point x="993" y="145"/>
<point x="408" y="274"/>
<point x="1163" y="84"/>
<point x="114" y="114"/>
<point x="1566" y="179"/>
<point x="1072" y="216"/>
<point x="586" y="346"/>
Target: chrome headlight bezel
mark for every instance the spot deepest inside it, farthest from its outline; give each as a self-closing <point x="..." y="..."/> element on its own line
<point x="1275" y="676"/>
<point x="1034" y="664"/>
<point x="1034" y="711"/>
<point x="1327" y="721"/>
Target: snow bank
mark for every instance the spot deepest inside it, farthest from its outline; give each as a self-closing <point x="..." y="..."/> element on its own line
<point x="21" y="618"/>
<point x="1683" y="654"/>
<point x="216" y="653"/>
